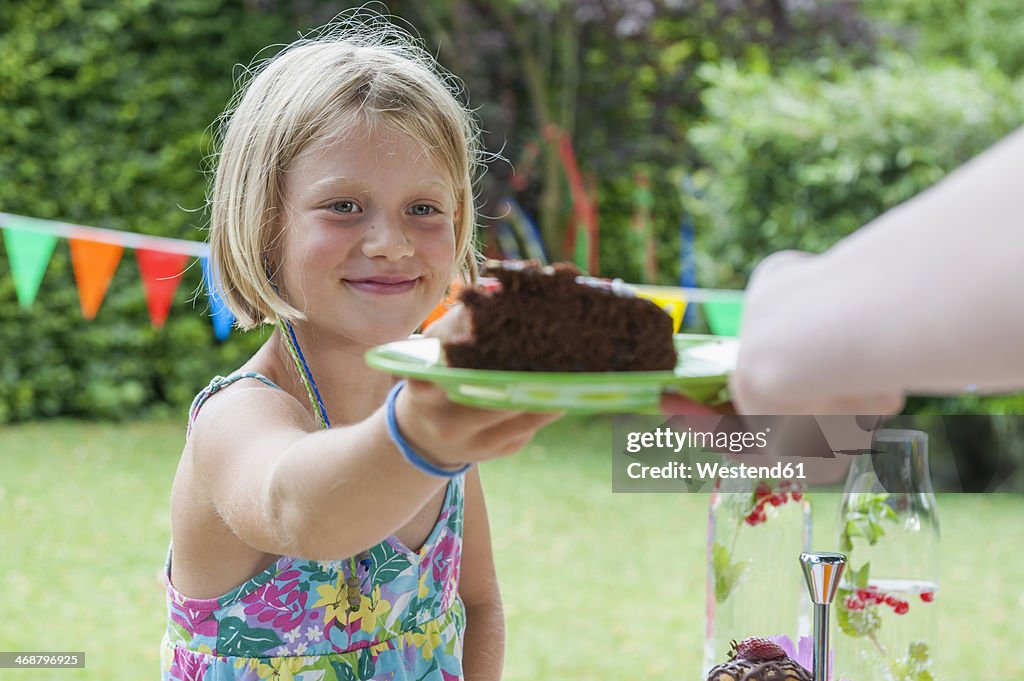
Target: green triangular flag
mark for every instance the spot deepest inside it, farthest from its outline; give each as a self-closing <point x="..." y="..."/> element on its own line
<point x="28" y="253"/>
<point x="724" y="317"/>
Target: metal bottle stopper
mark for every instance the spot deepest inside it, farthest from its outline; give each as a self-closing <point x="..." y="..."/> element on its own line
<point x="822" y="572"/>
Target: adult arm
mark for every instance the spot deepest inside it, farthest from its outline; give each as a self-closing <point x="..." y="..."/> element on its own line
<point x="928" y="298"/>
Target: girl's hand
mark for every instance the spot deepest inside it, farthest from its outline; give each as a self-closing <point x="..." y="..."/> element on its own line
<point x="450" y="434"/>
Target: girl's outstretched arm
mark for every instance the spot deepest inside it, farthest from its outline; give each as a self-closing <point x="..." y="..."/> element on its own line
<point x="284" y="487"/>
<point x="484" y="651"/>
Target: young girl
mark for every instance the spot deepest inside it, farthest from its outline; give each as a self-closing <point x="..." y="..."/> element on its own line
<point x="326" y="522"/>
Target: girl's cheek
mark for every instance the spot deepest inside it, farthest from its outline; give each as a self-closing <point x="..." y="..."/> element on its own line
<point x="438" y="249"/>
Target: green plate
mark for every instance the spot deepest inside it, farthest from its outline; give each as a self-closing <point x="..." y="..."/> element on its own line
<point x="701" y="374"/>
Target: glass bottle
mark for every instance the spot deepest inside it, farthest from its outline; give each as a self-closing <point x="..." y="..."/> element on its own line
<point x="888" y="527"/>
<point x="755" y="530"/>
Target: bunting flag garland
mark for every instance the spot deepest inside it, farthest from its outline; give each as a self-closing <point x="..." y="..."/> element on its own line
<point x="672" y="301"/>
<point x="723" y="308"/>
<point x="724" y="317"/>
<point x="29" y="253"/>
<point x="687" y="261"/>
<point x="96" y="254"/>
<point x="222" y="317"/>
<point x="161" y="273"/>
<point x="94" y="264"/>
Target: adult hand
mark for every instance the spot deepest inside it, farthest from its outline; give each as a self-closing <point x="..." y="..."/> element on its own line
<point x="768" y="378"/>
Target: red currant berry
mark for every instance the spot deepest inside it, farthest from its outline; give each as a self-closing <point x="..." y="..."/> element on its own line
<point x="797" y="496"/>
<point x="777" y="499"/>
<point x="854" y="604"/>
<point x="892" y="601"/>
<point x="928" y="596"/>
<point x="901" y="608"/>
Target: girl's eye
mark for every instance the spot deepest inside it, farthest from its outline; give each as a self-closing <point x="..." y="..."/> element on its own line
<point x="422" y="210"/>
<point x="344" y="207"/>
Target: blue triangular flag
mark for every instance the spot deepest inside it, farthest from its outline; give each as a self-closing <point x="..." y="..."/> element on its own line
<point x="222" y="317"/>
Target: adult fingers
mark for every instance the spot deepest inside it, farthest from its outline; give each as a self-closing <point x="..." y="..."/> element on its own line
<point x="884" y="404"/>
<point x="871" y="405"/>
<point x="777" y="263"/>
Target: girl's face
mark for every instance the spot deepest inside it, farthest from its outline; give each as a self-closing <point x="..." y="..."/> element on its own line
<point x="368" y="246"/>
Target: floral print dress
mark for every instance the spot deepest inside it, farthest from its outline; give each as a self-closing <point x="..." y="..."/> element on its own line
<point x="292" y="621"/>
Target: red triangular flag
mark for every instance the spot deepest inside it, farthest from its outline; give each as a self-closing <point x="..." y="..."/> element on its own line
<point x="161" y="273"/>
<point x="94" y="263"/>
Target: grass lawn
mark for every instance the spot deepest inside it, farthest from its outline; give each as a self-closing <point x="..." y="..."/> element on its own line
<point x="596" y="585"/>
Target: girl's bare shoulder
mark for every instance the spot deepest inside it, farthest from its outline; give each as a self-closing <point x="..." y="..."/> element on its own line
<point x="246" y="411"/>
<point x="219" y="509"/>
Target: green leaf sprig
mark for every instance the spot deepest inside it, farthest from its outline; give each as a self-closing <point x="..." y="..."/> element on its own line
<point x="865" y="518"/>
<point x="726" y="573"/>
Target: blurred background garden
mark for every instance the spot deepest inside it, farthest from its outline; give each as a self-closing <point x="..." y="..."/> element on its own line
<point x="717" y="131"/>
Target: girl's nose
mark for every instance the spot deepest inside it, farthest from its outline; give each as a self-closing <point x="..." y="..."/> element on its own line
<point x="386" y="239"/>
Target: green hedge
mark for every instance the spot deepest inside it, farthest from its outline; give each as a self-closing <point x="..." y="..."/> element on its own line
<point x="982" y="32"/>
<point x="105" y="111"/>
<point x="800" y="160"/>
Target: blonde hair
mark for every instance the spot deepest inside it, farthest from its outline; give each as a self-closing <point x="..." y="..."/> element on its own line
<point x="356" y="70"/>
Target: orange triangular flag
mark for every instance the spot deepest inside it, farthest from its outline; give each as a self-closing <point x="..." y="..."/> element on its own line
<point x="161" y="273"/>
<point x="94" y="263"/>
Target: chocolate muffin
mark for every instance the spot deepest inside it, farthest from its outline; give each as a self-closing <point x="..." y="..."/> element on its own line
<point x="552" y="318"/>
<point x="782" y="669"/>
<point x="759" y="659"/>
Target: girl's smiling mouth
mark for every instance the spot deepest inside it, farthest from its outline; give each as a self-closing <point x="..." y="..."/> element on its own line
<point x="381" y="284"/>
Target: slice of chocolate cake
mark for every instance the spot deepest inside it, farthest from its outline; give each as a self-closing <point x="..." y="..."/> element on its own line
<point x="552" y="318"/>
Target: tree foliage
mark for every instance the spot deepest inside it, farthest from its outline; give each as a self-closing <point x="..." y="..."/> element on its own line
<point x="984" y="32"/>
<point x="799" y="161"/>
